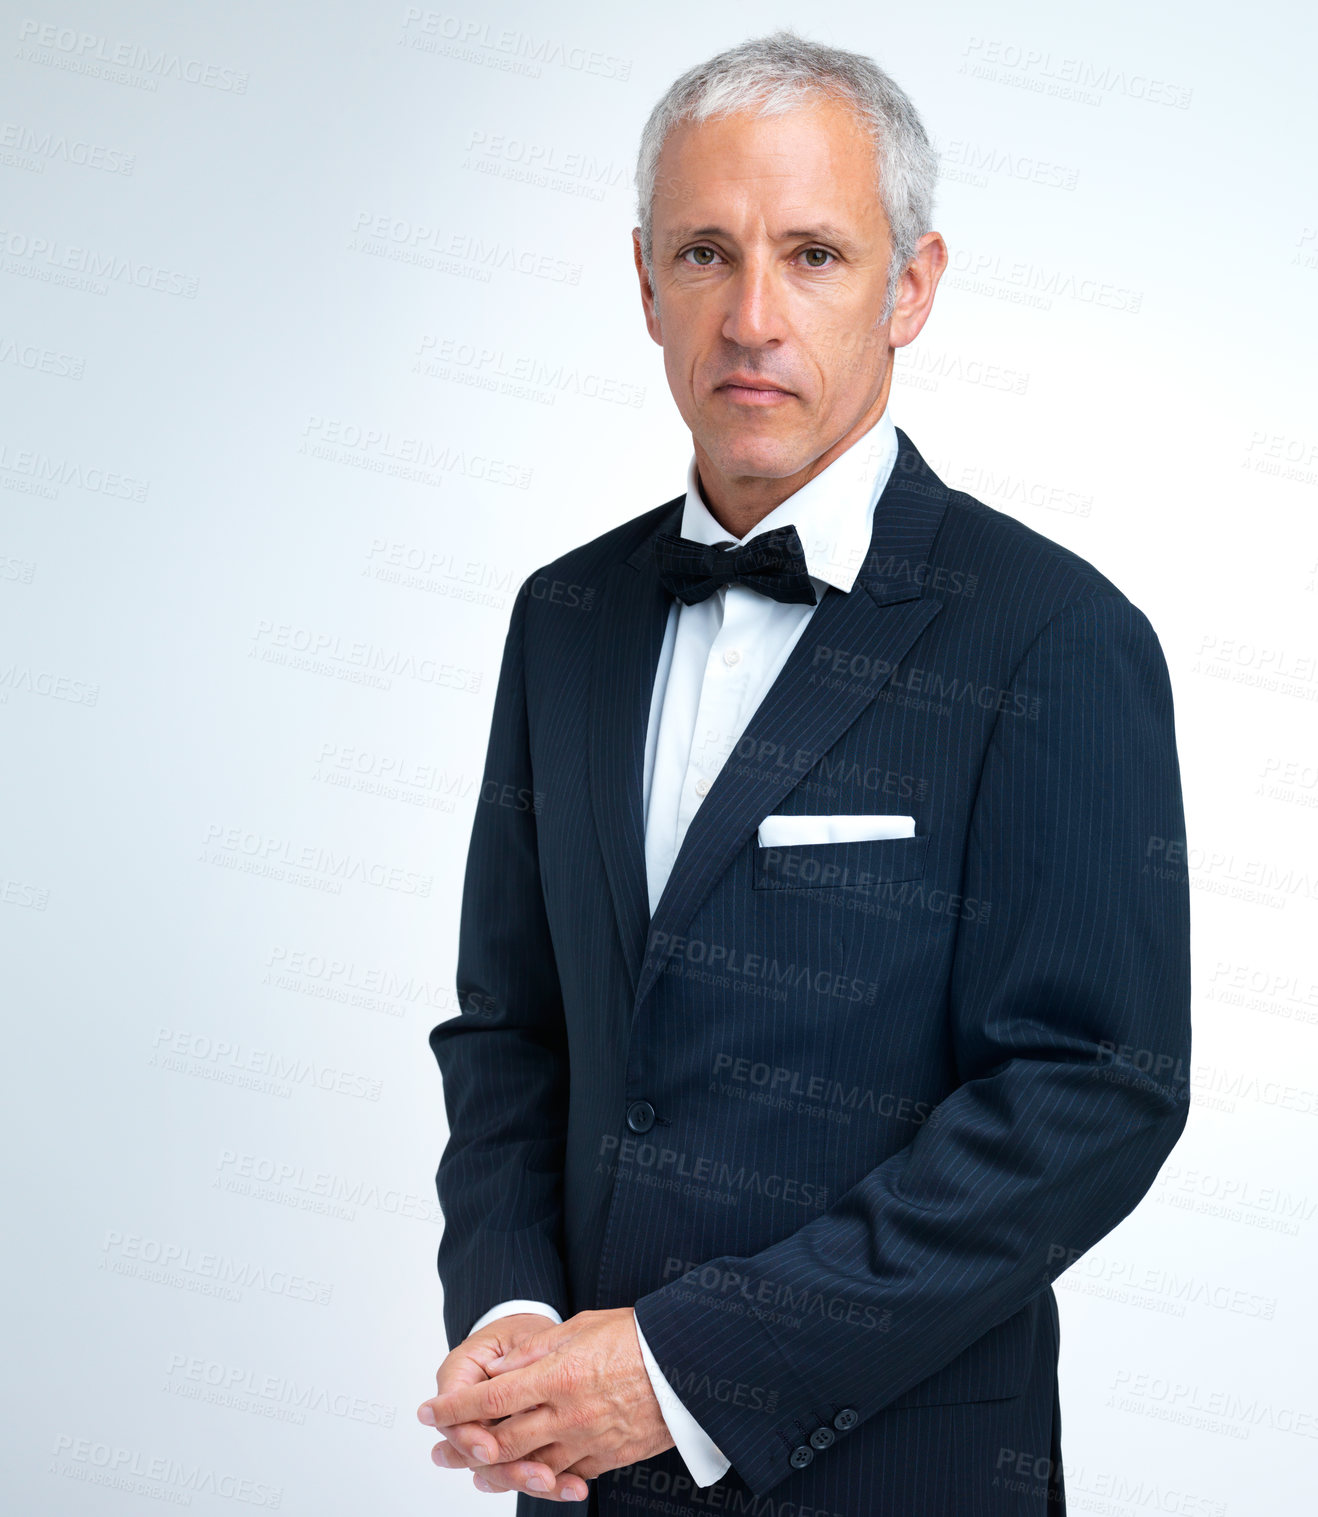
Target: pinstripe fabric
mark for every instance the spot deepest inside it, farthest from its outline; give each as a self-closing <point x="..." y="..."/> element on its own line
<point x="897" y="1085"/>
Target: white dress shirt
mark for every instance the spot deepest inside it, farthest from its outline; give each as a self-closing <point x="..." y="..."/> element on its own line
<point x="719" y="658"/>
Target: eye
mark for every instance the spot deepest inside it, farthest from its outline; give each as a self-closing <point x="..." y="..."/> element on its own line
<point x="708" y="262"/>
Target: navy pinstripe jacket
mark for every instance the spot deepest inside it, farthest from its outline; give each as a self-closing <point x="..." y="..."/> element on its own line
<point x="835" y="1119"/>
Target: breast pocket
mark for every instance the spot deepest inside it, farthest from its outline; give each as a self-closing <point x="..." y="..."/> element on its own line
<point x="858" y="866"/>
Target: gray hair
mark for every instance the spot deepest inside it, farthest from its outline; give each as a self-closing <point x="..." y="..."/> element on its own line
<point x="783" y="72"/>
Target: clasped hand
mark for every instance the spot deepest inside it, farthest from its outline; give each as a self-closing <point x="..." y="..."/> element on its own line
<point x="531" y="1405"/>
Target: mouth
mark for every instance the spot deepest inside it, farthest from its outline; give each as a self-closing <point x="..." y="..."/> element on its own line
<point x="745" y="392"/>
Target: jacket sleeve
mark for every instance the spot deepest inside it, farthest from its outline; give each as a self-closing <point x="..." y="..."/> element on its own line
<point x="704" y="1460"/>
<point x="503" y="1058"/>
<point x="1069" y="1006"/>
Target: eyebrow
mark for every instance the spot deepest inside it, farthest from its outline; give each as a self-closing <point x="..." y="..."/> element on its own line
<point x="824" y="231"/>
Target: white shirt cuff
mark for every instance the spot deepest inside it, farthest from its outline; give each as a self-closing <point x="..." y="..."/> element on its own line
<point x="507" y="1308"/>
<point x="703" y="1460"/>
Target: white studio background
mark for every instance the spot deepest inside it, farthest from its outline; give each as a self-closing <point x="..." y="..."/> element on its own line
<point x="318" y="332"/>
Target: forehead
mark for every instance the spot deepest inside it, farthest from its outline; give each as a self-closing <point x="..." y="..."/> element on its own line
<point x="811" y="167"/>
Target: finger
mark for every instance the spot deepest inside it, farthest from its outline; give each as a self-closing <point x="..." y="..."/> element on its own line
<point x="467" y="1363"/>
<point x="569" y="1488"/>
<point x="515" y="1474"/>
<point x="452" y="1457"/>
<point x="468" y="1433"/>
<point x="517" y="1438"/>
<point x="466" y="1367"/>
<point x="532" y="1478"/>
<point x="472" y="1444"/>
<point x="449" y="1457"/>
<point x="458" y="1373"/>
<point x="516" y="1391"/>
<point x="505" y="1334"/>
<point x="455" y="1374"/>
<point x="535" y="1476"/>
<point x="519" y="1355"/>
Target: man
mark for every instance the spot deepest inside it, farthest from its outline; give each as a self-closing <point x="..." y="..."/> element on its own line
<point x="822" y="997"/>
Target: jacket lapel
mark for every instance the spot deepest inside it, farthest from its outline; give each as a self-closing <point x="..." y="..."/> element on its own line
<point x="629" y="632"/>
<point x="847" y="653"/>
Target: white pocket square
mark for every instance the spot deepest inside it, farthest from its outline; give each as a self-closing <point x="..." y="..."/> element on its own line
<point x="793" y="831"/>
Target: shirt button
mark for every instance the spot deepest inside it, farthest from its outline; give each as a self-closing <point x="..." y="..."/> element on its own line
<point x="702" y="787"/>
<point x="640" y="1116"/>
<point x="732" y="656"/>
<point x="801" y="1456"/>
<point x="846" y="1419"/>
<point x="822" y="1437"/>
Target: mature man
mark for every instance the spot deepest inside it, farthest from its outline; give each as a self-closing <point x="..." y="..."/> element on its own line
<point x="822" y="997"/>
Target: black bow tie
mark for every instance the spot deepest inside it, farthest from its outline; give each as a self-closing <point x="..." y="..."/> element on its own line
<point x="772" y="563"/>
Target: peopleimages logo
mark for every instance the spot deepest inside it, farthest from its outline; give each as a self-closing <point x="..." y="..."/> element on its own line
<point x="704" y="1170"/>
<point x="81" y="52"/>
<point x="158" y="1475"/>
<point x="763" y="1292"/>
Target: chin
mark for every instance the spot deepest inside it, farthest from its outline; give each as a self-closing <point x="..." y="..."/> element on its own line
<point x="770" y="457"/>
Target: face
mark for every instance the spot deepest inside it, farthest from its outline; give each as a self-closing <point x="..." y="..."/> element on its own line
<point x="770" y="268"/>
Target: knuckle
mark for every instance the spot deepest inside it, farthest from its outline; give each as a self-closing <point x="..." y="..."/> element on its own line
<point x="552" y="1455"/>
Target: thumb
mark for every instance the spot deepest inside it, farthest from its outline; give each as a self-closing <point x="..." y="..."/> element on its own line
<point x="527" y="1351"/>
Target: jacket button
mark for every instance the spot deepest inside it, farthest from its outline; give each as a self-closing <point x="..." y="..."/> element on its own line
<point x="846" y="1419"/>
<point x="801" y="1456"/>
<point x="640" y="1116"/>
<point x="822" y="1437"/>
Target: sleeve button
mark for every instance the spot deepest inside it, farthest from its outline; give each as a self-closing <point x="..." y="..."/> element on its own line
<point x="822" y="1437"/>
<point x="846" y="1419"/>
<point x="801" y="1456"/>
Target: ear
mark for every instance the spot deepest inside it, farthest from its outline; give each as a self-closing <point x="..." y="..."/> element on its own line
<point x="915" y="289"/>
<point x="649" y="300"/>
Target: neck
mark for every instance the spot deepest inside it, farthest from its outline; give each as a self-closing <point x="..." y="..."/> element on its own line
<point x="739" y="502"/>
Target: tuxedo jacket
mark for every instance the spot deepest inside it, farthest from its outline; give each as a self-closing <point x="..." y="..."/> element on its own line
<point x="835" y="1118"/>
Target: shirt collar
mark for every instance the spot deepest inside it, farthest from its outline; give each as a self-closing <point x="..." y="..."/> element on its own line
<point x="833" y="513"/>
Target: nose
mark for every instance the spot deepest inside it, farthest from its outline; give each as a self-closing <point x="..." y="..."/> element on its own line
<point x="755" y="315"/>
